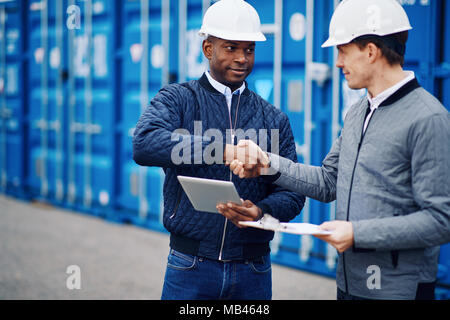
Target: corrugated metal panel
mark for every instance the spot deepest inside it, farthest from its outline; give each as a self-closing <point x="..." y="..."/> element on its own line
<point x="444" y="66"/>
<point x="148" y="46"/>
<point x="94" y="65"/>
<point x="72" y="115"/>
<point x="191" y="60"/>
<point x="45" y="99"/>
<point x="12" y="120"/>
<point x="443" y="276"/>
<point x="91" y="120"/>
<point x="422" y="51"/>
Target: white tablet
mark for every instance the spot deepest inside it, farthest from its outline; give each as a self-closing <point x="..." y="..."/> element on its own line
<point x="205" y="194"/>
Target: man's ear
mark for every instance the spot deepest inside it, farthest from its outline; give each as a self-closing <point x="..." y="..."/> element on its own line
<point x="207" y="47"/>
<point x="373" y="52"/>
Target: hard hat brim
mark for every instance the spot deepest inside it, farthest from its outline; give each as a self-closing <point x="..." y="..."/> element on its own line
<point x="257" y="36"/>
<point x="331" y="42"/>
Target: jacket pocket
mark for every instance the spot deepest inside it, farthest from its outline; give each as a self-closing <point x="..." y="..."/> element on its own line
<point x="177" y="203"/>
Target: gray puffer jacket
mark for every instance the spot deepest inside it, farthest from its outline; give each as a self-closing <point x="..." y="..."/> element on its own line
<point x="393" y="184"/>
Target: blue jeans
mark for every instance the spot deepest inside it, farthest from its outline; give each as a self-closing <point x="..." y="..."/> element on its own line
<point x="195" y="278"/>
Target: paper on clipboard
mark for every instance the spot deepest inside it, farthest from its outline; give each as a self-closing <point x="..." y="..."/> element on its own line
<point x="270" y="223"/>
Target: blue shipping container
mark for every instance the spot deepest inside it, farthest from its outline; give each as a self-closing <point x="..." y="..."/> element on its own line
<point x="75" y="75"/>
<point x="12" y="119"/>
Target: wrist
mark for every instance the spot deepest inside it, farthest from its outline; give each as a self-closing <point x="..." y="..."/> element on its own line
<point x="260" y="214"/>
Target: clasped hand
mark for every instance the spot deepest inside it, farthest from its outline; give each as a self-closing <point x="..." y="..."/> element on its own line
<point x="246" y="159"/>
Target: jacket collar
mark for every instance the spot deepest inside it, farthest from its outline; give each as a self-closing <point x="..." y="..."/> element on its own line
<point x="223" y="88"/>
<point x="204" y="82"/>
<point x="400" y="93"/>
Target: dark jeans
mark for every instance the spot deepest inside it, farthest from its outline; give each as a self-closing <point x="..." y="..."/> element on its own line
<point x="425" y="291"/>
<point x="190" y="277"/>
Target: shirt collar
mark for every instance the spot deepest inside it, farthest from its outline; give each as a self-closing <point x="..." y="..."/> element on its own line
<point x="378" y="100"/>
<point x="223" y="88"/>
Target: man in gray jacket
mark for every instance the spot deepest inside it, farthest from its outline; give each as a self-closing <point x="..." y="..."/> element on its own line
<point x="389" y="169"/>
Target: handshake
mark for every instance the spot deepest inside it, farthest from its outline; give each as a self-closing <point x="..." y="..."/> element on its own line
<point x="246" y="159"/>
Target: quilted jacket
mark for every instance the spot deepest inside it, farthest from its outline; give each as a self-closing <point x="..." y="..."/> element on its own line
<point x="177" y="118"/>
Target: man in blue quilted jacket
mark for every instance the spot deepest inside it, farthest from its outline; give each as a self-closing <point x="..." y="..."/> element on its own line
<point x="185" y="131"/>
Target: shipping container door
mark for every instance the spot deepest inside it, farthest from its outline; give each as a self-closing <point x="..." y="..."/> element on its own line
<point x="192" y="62"/>
<point x="46" y="100"/>
<point x="12" y="118"/>
<point x="149" y="62"/>
<point x="91" y="109"/>
<point x="423" y="44"/>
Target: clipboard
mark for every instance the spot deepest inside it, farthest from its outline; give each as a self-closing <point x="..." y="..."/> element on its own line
<point x="267" y="222"/>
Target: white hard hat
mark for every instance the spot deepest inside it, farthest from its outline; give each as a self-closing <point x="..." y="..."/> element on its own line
<point x="232" y="20"/>
<point x="355" y="18"/>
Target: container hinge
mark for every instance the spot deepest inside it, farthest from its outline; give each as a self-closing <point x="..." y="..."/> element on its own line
<point x="443" y="70"/>
<point x="86" y="128"/>
<point x="319" y="72"/>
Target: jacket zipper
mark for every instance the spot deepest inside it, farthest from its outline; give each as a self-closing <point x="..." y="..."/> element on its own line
<point x="231" y="175"/>
<point x="350" y="190"/>
<point x="177" y="203"/>
<point x="223" y="239"/>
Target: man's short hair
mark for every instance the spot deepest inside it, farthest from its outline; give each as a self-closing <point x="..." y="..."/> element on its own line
<point x="392" y="46"/>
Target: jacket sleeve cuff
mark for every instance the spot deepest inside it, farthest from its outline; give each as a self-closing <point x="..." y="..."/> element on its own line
<point x="272" y="178"/>
<point x="273" y="173"/>
<point x="361" y="239"/>
<point x="358" y="236"/>
<point x="265" y="208"/>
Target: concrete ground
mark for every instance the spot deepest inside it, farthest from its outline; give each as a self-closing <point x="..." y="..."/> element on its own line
<point x="116" y="261"/>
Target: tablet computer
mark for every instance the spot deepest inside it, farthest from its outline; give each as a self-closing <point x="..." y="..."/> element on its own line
<point x="205" y="194"/>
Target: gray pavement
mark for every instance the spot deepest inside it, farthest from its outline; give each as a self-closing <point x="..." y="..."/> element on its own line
<point x="117" y="261"/>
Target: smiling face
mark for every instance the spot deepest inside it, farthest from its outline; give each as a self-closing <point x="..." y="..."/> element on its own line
<point x="230" y="62"/>
<point x="355" y="64"/>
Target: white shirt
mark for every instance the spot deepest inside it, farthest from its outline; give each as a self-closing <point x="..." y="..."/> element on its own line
<point x="224" y="89"/>
<point x="376" y="101"/>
